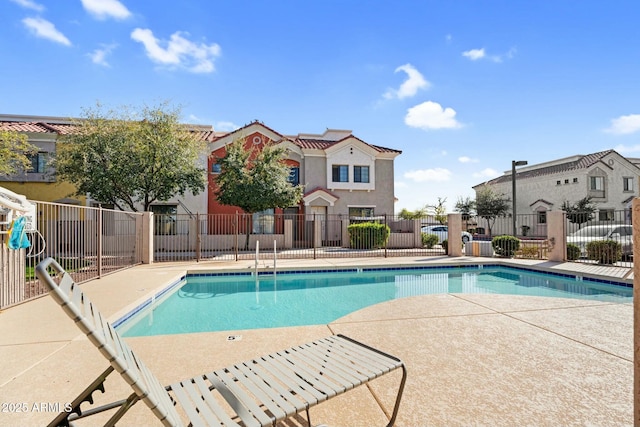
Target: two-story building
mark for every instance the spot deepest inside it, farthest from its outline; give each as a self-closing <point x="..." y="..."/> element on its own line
<point x="610" y="179"/>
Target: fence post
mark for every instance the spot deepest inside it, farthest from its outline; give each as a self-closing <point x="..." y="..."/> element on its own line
<point x="388" y="237"/>
<point x="99" y="241"/>
<point x="556" y="235"/>
<point x="454" y="224"/>
<point x="314" y="236"/>
<point x="235" y="225"/>
<point x="147" y="238"/>
<point x="198" y="238"/>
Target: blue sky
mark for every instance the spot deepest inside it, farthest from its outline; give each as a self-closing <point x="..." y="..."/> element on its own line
<point x="461" y="87"/>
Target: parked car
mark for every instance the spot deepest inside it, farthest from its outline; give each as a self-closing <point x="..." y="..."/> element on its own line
<point x="619" y="232"/>
<point x="442" y="231"/>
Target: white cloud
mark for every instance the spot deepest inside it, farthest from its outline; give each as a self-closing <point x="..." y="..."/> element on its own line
<point x="99" y="56"/>
<point x="46" y="30"/>
<point x="225" y="126"/>
<point x="28" y="4"/>
<point x="487" y="173"/>
<point x="104" y="9"/>
<point x="423" y="175"/>
<point x="431" y="115"/>
<point x="400" y="184"/>
<point x="415" y="81"/>
<point x="625" y="149"/>
<point x="179" y="52"/>
<point x="625" y="125"/>
<point x="474" y="54"/>
<point x="465" y="159"/>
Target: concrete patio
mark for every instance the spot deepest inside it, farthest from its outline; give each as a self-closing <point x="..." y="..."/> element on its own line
<point x="494" y="360"/>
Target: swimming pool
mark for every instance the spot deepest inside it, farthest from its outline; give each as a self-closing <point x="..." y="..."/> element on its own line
<point x="236" y="301"/>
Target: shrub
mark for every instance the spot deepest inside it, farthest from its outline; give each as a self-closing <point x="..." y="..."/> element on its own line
<point x="529" y="252"/>
<point x="573" y="252"/>
<point x="368" y="235"/>
<point x="604" y="251"/>
<point x="429" y="240"/>
<point x="445" y="246"/>
<point x="505" y="246"/>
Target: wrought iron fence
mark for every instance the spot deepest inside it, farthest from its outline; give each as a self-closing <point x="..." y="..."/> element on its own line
<point x="603" y="237"/>
<point x="88" y="242"/>
<point x="236" y="236"/>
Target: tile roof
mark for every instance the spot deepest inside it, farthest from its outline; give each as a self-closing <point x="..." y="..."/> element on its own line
<point x="202" y="132"/>
<point x="323" y="144"/>
<point x="578" y="162"/>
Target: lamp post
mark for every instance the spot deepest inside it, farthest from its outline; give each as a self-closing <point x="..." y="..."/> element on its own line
<point x="514" y="163"/>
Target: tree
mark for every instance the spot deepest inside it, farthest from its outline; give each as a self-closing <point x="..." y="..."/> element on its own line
<point x="129" y="158"/>
<point x="439" y="211"/>
<point x="417" y="214"/>
<point x="466" y="207"/>
<point x="255" y="180"/>
<point x="14" y="153"/>
<point x="490" y="205"/>
<point x="580" y="212"/>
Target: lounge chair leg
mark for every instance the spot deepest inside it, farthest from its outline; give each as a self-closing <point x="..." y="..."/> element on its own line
<point x="62" y="420"/>
<point x="392" y="421"/>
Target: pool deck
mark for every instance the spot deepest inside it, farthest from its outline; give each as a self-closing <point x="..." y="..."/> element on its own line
<point x="482" y="360"/>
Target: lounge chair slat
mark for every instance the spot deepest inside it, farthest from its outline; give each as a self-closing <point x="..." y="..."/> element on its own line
<point x="303" y="387"/>
<point x="212" y="402"/>
<point x="199" y="415"/>
<point x="260" y="392"/>
<point x="353" y="361"/>
<point x="292" y="403"/>
<point x="330" y="364"/>
<point x="266" y="396"/>
<point x="311" y="375"/>
<point x="236" y="399"/>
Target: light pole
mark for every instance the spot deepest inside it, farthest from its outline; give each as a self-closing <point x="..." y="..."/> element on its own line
<point x="514" y="163"/>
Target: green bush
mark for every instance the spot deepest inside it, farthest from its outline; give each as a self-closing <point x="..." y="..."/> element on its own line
<point x="429" y="240"/>
<point x="368" y="235"/>
<point x="604" y="251"/>
<point x="445" y="246"/>
<point x="573" y="252"/>
<point x="505" y="246"/>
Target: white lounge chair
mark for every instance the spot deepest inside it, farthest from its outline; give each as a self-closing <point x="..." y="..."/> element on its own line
<point x="261" y="391"/>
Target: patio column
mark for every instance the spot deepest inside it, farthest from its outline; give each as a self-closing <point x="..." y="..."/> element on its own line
<point x="556" y="235"/>
<point x="454" y="223"/>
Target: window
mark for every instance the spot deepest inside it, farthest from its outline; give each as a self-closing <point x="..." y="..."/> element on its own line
<point x="340" y="173"/>
<point x="627" y="184"/>
<point x="216" y="168"/>
<point x="558" y="182"/>
<point x="38" y="162"/>
<point x="597" y="187"/>
<point x="361" y="174"/>
<point x="575" y="180"/>
<point x="294" y="176"/>
<point x="605" y="215"/>
<point x="566" y="181"/>
<point x="542" y="217"/>
<point x="263" y="222"/>
<point x="164" y="219"/>
<point x="361" y="212"/>
<point x="596" y="183"/>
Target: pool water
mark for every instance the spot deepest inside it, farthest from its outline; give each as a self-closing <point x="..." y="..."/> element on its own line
<point x="224" y="303"/>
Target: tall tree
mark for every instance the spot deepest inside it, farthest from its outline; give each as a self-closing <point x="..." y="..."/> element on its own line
<point x="130" y="158"/>
<point x="490" y="205"/>
<point x="255" y="180"/>
<point x="417" y="214"/>
<point x="580" y="212"/>
<point x="466" y="207"/>
<point x="14" y="153"/>
<point x="439" y="211"/>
